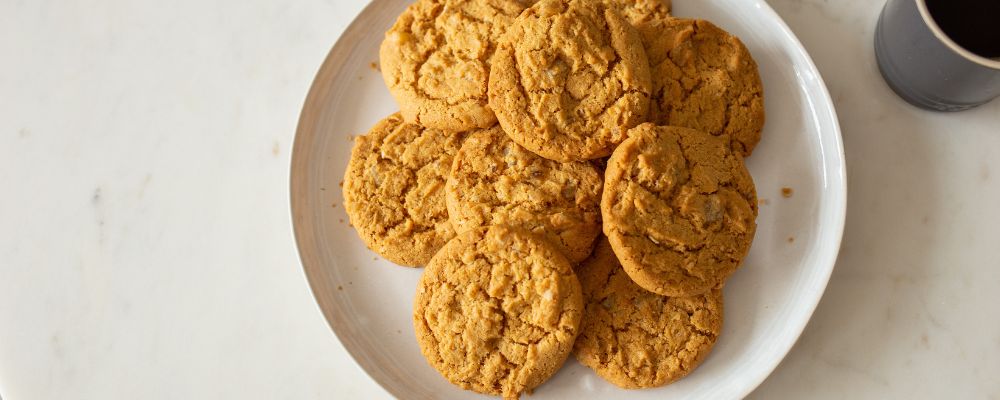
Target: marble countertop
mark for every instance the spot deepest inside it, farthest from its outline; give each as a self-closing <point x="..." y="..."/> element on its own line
<point x="137" y="137"/>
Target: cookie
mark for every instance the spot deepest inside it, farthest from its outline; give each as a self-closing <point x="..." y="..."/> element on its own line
<point x="436" y="60"/>
<point x="637" y="339"/>
<point x="705" y="79"/>
<point x="494" y="181"/>
<point x="679" y="209"/>
<point x="394" y="189"/>
<point x="497" y="311"/>
<point x="568" y="79"/>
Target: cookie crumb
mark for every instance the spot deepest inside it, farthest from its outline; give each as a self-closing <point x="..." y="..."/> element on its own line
<point x="350" y="138"/>
<point x="341" y="184"/>
<point x="374" y="66"/>
<point x="340" y="287"/>
<point x="322" y="189"/>
<point x="791" y="239"/>
<point x="341" y="220"/>
<point x="334" y="205"/>
<point x="763" y="202"/>
<point x="786" y="192"/>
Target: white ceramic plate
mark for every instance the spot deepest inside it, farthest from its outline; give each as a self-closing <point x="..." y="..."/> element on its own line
<point x="368" y="301"/>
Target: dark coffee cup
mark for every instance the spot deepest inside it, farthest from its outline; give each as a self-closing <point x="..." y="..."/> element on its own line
<point x="940" y="54"/>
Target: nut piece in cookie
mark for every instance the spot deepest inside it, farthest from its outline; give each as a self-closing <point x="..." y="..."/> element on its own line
<point x="497" y="311"/>
<point x="436" y="60"/>
<point x="394" y="189"/>
<point x="494" y="181"/>
<point x="634" y="338"/>
<point x="705" y="79"/>
<point x="679" y="209"/>
<point x="569" y="78"/>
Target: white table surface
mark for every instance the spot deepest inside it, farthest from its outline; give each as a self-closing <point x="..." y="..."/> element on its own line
<point x="146" y="249"/>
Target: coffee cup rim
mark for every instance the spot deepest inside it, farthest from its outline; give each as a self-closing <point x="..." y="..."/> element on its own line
<point x="968" y="55"/>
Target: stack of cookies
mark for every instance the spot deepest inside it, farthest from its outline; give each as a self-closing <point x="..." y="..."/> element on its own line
<point x="528" y="128"/>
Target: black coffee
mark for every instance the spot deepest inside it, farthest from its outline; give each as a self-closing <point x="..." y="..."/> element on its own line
<point x="973" y="24"/>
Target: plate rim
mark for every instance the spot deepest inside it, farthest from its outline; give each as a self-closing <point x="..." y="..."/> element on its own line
<point x="835" y="208"/>
<point x="298" y="184"/>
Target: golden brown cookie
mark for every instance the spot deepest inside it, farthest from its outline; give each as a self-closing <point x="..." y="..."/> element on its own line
<point x="497" y="311"/>
<point x="394" y="189"/>
<point x="679" y="209"/>
<point x="705" y="79"/>
<point x="436" y="60"/>
<point x="494" y="181"/>
<point x="568" y="79"/>
<point x="637" y="339"/>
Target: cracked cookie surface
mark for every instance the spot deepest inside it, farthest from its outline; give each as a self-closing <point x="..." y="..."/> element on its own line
<point x="569" y="78"/>
<point x="436" y="60"/>
<point x="679" y="209"/>
<point x="637" y="339"/>
<point x="648" y="17"/>
<point x="494" y="181"/>
<point x="394" y="189"/>
<point x="497" y="311"/>
<point x="637" y="10"/>
<point x="705" y="79"/>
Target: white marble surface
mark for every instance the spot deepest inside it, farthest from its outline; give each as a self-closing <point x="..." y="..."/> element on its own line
<point x="146" y="252"/>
